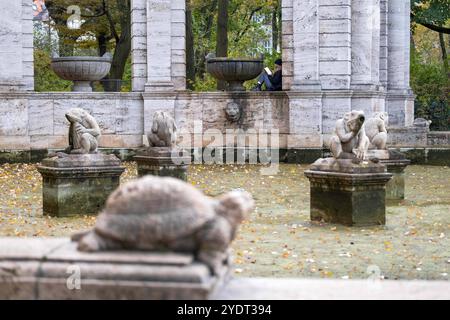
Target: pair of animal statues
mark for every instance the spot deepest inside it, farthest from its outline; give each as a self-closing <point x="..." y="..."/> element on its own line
<point x="84" y="132"/>
<point x="354" y="135"/>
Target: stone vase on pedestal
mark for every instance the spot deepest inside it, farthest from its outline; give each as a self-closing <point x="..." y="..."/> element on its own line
<point x="78" y="184"/>
<point x="164" y="162"/>
<point x="346" y="193"/>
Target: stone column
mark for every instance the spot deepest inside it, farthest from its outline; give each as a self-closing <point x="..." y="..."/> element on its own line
<point x="335" y="62"/>
<point x="287" y="43"/>
<point x="305" y="97"/>
<point x="306" y="45"/>
<point x="365" y="44"/>
<point x="16" y="46"/>
<point x="384" y="43"/>
<point x="400" y="100"/>
<point x="166" y="67"/>
<point x="368" y="94"/>
<point x="138" y="44"/>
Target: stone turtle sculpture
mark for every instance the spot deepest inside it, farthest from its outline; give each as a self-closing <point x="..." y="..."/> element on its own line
<point x="84" y="132"/>
<point x="167" y="214"/>
<point x="350" y="140"/>
<point x="164" y="131"/>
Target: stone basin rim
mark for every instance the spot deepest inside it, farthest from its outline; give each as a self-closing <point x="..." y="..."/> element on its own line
<point x="224" y="59"/>
<point x="82" y="59"/>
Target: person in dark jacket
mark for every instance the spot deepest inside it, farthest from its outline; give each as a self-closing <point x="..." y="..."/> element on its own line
<point x="272" y="82"/>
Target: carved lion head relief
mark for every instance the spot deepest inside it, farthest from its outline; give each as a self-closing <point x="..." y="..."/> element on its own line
<point x="233" y="112"/>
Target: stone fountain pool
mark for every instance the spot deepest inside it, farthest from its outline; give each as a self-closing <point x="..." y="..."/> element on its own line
<point x="279" y="240"/>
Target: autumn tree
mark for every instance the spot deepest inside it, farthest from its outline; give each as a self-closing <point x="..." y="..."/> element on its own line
<point x="430" y="74"/>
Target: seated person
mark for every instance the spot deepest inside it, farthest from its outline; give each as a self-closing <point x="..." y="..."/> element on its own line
<point x="272" y="82"/>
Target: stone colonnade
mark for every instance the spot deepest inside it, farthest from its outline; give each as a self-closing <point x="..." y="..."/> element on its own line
<point x="338" y="55"/>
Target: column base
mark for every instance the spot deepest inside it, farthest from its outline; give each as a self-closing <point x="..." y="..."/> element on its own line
<point x="159" y="86"/>
<point x="400" y="107"/>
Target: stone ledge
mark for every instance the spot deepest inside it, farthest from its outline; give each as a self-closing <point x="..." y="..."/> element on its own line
<point x="22" y="257"/>
<point x="418" y="156"/>
<point x="319" y="289"/>
<point x="71" y="95"/>
<point x="41" y="269"/>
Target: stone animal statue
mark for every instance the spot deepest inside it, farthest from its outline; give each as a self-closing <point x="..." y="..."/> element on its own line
<point x="350" y="140"/>
<point x="84" y="132"/>
<point x="167" y="214"/>
<point x="376" y="131"/>
<point x="164" y="131"/>
<point x="233" y="112"/>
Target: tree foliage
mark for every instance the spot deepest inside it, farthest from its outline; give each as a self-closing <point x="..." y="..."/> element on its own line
<point x="430" y="72"/>
<point x="250" y="24"/>
<point x="433" y="14"/>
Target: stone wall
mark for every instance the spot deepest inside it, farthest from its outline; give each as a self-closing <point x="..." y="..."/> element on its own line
<point x="37" y="120"/>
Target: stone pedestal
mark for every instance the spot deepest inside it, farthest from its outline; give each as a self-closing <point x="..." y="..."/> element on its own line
<point x="163" y="162"/>
<point x="395" y="189"/>
<point x="347" y="193"/>
<point x="78" y="184"/>
<point x="53" y="269"/>
<point x="396" y="164"/>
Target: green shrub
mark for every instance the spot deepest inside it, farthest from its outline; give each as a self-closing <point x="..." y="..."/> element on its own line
<point x="44" y="77"/>
<point x="431" y="85"/>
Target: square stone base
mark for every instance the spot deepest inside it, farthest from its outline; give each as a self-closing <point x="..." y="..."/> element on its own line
<point x="78" y="184"/>
<point x="348" y="194"/>
<point x="161" y="162"/>
<point x="362" y="208"/>
<point x="53" y="269"/>
<point x="395" y="188"/>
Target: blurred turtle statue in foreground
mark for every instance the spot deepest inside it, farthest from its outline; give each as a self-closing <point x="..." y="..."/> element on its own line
<point x="162" y="157"/>
<point x="376" y="131"/>
<point x="350" y="140"/>
<point x="84" y="132"/>
<point x="164" y="131"/>
<point x="167" y="214"/>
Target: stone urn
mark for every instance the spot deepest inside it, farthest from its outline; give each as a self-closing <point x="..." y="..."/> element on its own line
<point x="82" y="70"/>
<point x="234" y="71"/>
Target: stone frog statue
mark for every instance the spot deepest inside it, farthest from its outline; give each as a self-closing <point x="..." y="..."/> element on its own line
<point x="164" y="131"/>
<point x="350" y="140"/>
<point x="376" y="131"/>
<point x="84" y="132"/>
<point x="167" y="214"/>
